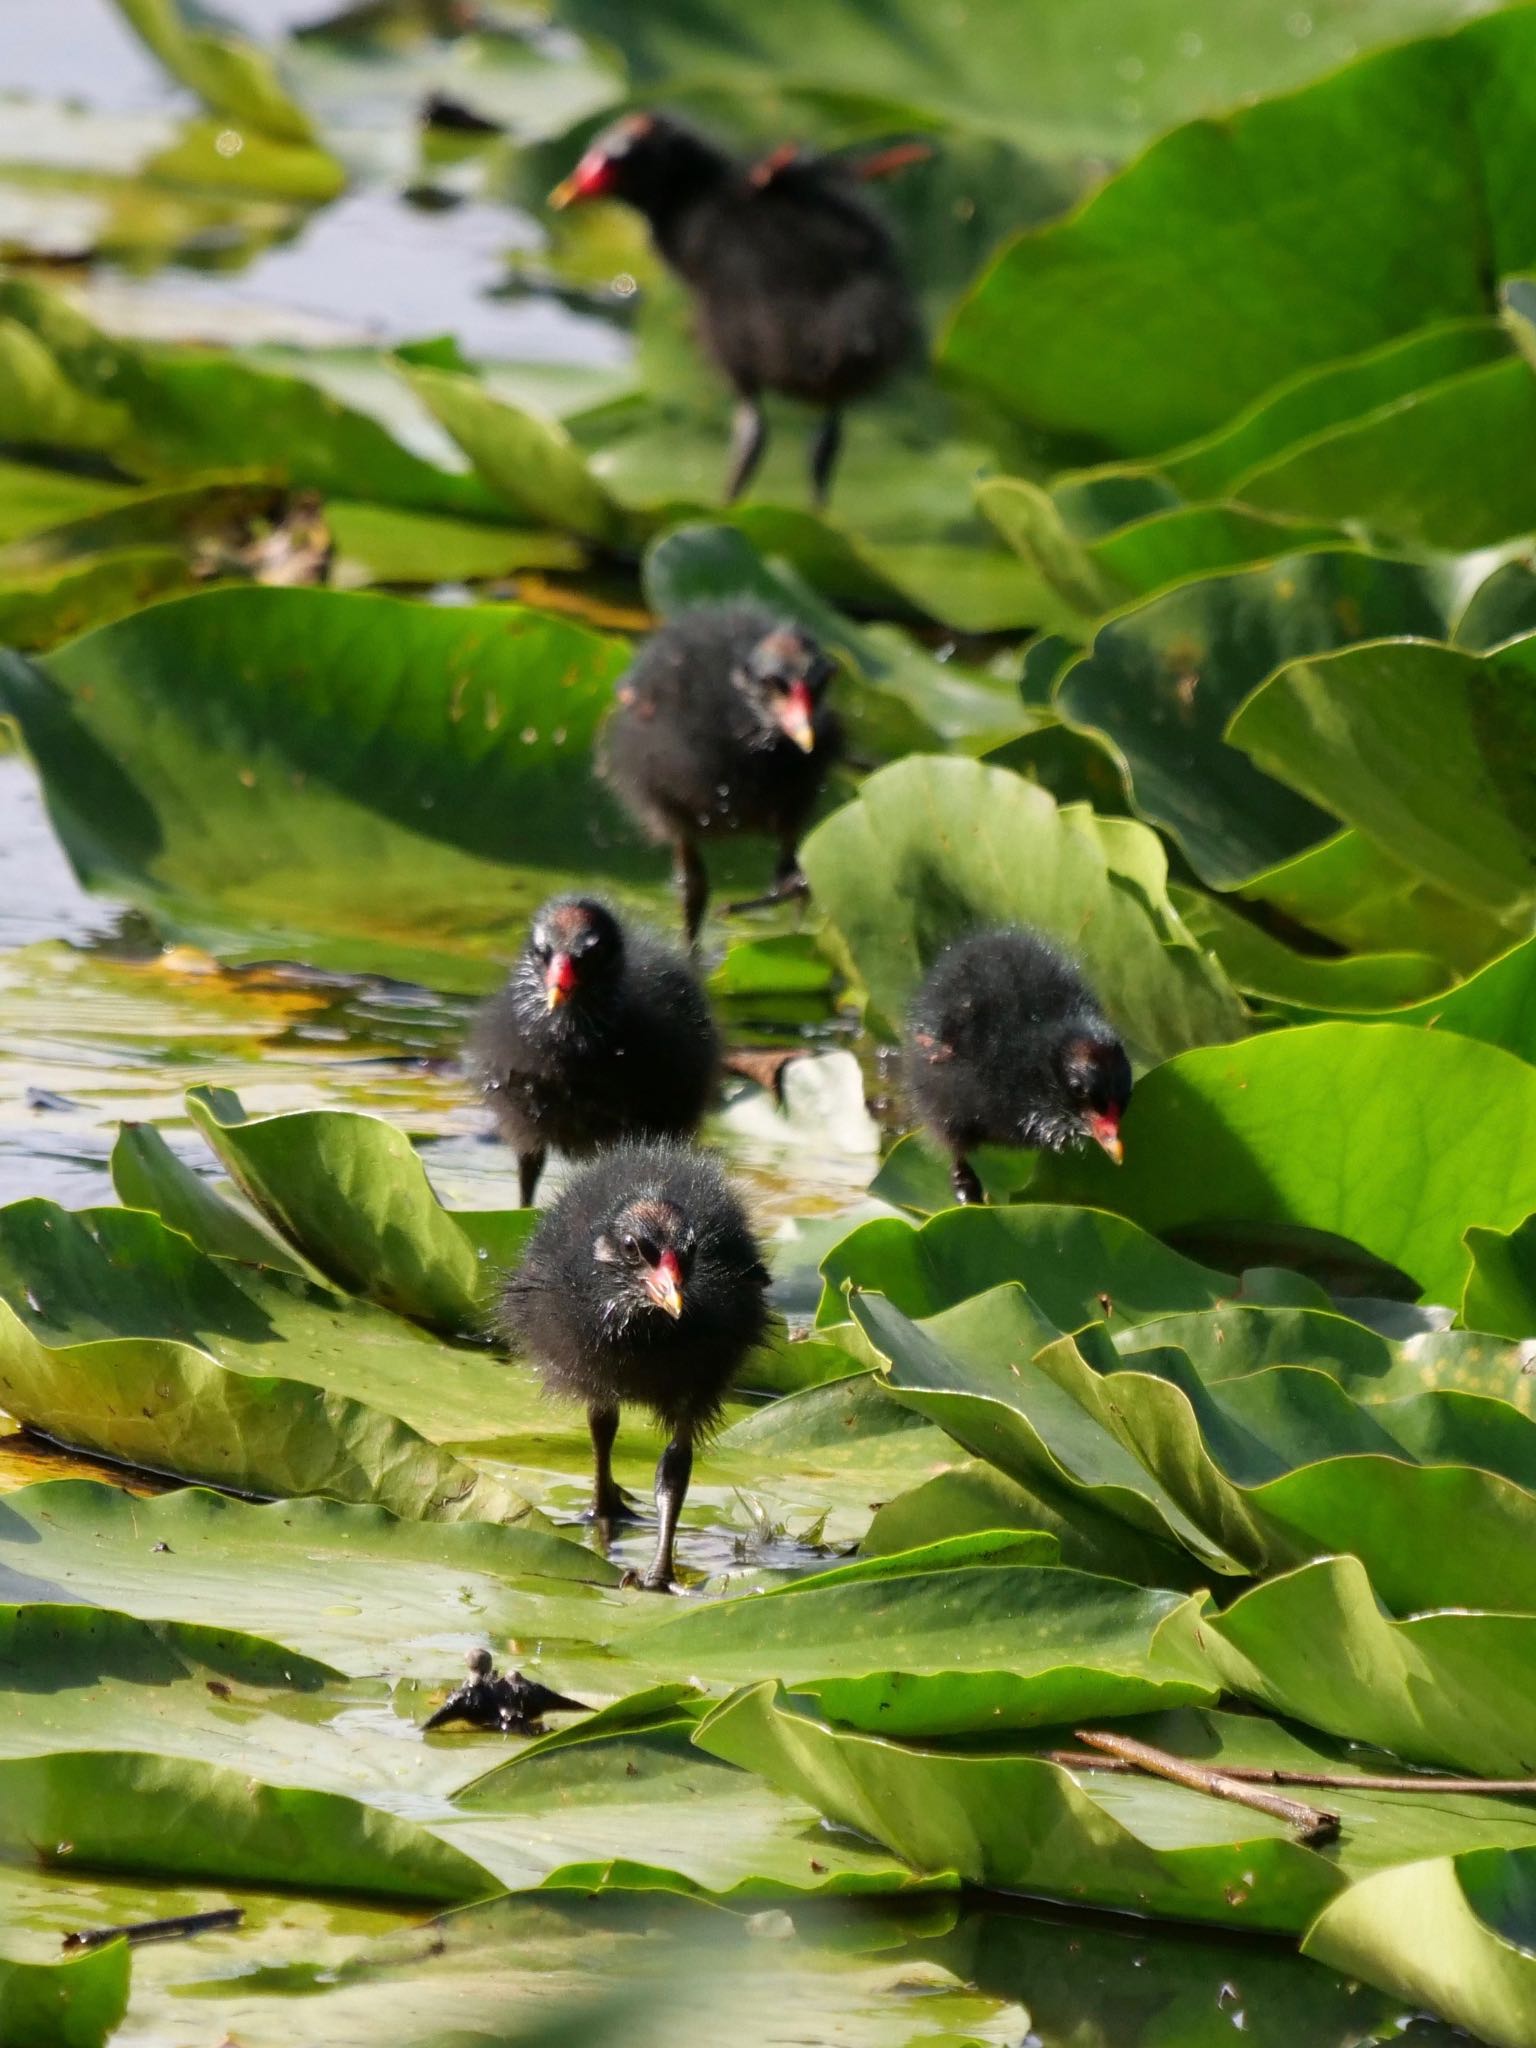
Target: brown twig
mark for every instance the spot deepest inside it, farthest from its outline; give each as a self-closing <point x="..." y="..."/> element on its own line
<point x="1337" y="1781"/>
<point x="1312" y="1824"/>
<point x="763" y="1064"/>
<point x="156" y="1930"/>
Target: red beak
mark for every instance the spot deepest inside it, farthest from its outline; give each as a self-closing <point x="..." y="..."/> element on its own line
<point x="560" y="979"/>
<point x="797" y="715"/>
<point x="664" y="1284"/>
<point x="592" y="177"/>
<point x="1104" y="1129"/>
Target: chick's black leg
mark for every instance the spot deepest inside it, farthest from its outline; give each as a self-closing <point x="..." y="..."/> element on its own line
<point x="749" y="437"/>
<point x="672" y="1475"/>
<point x="529" y="1166"/>
<point x="966" y="1183"/>
<point x="609" y="1501"/>
<point x="788" y="883"/>
<point x="825" y="449"/>
<point x="693" y="886"/>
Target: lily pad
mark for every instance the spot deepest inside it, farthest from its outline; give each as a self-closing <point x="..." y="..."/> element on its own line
<point x="77" y="2003"/>
<point x="1397" y="1139"/>
<point x="1424" y="749"/>
<point x="204" y="758"/>
<point x="1311" y="210"/>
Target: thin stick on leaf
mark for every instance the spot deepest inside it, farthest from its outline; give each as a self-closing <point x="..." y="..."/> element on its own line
<point x="1312" y="1824"/>
<point x="1336" y="1781"/>
<point x="177" y="1929"/>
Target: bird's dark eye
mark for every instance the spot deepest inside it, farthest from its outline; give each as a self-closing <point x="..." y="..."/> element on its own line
<point x="631" y="1244"/>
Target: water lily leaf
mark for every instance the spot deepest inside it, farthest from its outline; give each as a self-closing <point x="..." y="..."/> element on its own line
<point x="1503" y="607"/>
<point x="178" y="413"/>
<point x="230" y="75"/>
<point x="74" y="1277"/>
<point x="1060" y="88"/>
<point x="1347" y="889"/>
<point x="956" y="1651"/>
<point x="168" y="1407"/>
<point x="1424" y="749"/>
<point x="1093" y="578"/>
<point x="528" y="460"/>
<point x="1234" y="1338"/>
<point x="1326" y="171"/>
<point x="590" y="1814"/>
<point x="41" y="609"/>
<point x="355" y="1587"/>
<point x="76" y="2003"/>
<point x="1056" y="1431"/>
<point x="119" y="1811"/>
<point x="373" y="768"/>
<point x="1453" y="1932"/>
<point x="1403" y="472"/>
<point x="147" y="1174"/>
<point x="1079" y="1264"/>
<point x="1162" y="682"/>
<point x="33" y="498"/>
<point x="1501" y="1287"/>
<point x="931" y="847"/>
<point x="1307" y="985"/>
<point x="1311" y="402"/>
<point x="1136" y="1844"/>
<point x="1397" y="1139"/>
<point x="1453" y="1690"/>
<point x="350" y="1192"/>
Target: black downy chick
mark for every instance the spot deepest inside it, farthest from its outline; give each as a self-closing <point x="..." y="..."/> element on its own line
<point x="797" y="282"/>
<point x="722" y="727"/>
<point x="602" y="1032"/>
<point x="1007" y="1046"/>
<point x="643" y="1283"/>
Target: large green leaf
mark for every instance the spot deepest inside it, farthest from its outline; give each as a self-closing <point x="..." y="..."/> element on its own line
<point x="645" y="1810"/>
<point x="75" y="1277"/>
<point x="183" y="412"/>
<point x="1239" y="252"/>
<point x="231" y="76"/>
<point x="1408" y="473"/>
<point x="147" y="1174"/>
<point x="1397" y="1139"/>
<point x="1309" y="985"/>
<point x="1078" y="1263"/>
<point x="117" y="1811"/>
<point x="77" y="2003"/>
<point x="352" y="1586"/>
<point x="169" y="1408"/>
<point x="1455" y="1932"/>
<point x="350" y="1193"/>
<point x="1137" y="1844"/>
<point x="1501" y="1288"/>
<point x="931" y="847"/>
<point x="1451" y="1689"/>
<point x="349" y="778"/>
<point x="1426" y="750"/>
<point x="962" y="1650"/>
<point x="1096" y="78"/>
<point x="1161" y="683"/>
<point x="1336" y="395"/>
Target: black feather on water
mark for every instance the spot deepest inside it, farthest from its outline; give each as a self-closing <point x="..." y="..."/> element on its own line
<point x="508" y="1702"/>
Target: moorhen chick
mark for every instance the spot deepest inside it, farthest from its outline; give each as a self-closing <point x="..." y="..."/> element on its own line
<point x="722" y="727"/>
<point x="642" y="1283"/>
<point x="797" y="282"/>
<point x="1007" y="1046"/>
<point x="602" y="1032"/>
